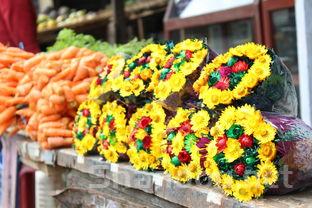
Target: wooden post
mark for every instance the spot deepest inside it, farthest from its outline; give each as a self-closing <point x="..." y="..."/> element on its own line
<point x="304" y="47"/>
<point x="119" y="26"/>
<point x="140" y="28"/>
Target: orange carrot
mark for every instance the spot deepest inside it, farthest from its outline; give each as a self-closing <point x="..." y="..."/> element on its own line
<point x="69" y="52"/>
<point x="56" y="142"/>
<point x="54" y="117"/>
<point x="56" y="99"/>
<point x="5" y="125"/>
<point x="26" y="112"/>
<point x="57" y="132"/>
<point x="81" y="98"/>
<point x="81" y="88"/>
<point x="81" y="73"/>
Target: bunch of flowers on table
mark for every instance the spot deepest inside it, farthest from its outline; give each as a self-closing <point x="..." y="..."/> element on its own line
<point x="247" y="73"/>
<point x="184" y="136"/>
<point x="146" y="127"/>
<point x="112" y="132"/>
<point x="241" y="158"/>
<point x="185" y="58"/>
<point x="85" y="127"/>
<point x="137" y="73"/>
<point x="103" y="83"/>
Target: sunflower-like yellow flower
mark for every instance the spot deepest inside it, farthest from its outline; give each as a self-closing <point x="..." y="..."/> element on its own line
<point x="241" y="191"/>
<point x="264" y="133"/>
<point x="267" y="172"/>
<point x="227" y="183"/>
<point x="177" y="143"/>
<point x="256" y="188"/>
<point x="111" y="155"/>
<point x="200" y="120"/>
<point x="267" y="151"/>
<point x="233" y="150"/>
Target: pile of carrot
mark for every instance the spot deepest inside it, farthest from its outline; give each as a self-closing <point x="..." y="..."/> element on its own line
<point x="9" y="79"/>
<point x="51" y="87"/>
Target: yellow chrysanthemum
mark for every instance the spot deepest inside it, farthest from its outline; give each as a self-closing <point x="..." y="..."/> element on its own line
<point x="200" y="120"/>
<point x="241" y="191"/>
<point x="267" y="172"/>
<point x="256" y="188"/>
<point x="183" y="174"/>
<point x="111" y="155"/>
<point x="227" y="183"/>
<point x="264" y="133"/>
<point x="177" y="143"/>
<point x="210" y="166"/>
<point x="233" y="150"/>
<point x="267" y="151"/>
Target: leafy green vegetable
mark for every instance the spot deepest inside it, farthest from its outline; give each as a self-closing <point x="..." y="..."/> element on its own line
<point x="68" y="37"/>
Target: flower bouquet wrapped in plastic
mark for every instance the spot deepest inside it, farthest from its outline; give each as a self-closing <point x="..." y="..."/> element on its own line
<point x="251" y="74"/>
<point x="146" y="127"/>
<point x="250" y="150"/>
<point x="85" y="127"/>
<point x="112" y="133"/>
<point x="103" y="83"/>
<point x="181" y="146"/>
<point x="137" y="73"/>
<point x="182" y="67"/>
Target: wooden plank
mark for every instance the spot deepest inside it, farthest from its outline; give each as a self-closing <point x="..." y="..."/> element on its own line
<point x="119" y="24"/>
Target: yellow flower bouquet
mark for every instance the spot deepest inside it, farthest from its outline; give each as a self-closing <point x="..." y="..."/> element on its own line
<point x="112" y="132"/>
<point x="146" y="128"/>
<point x="185" y="135"/>
<point x="248" y="73"/>
<point x="85" y="127"/>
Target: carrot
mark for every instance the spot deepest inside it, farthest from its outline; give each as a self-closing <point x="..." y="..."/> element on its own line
<point x="56" y="99"/>
<point x="81" y="88"/>
<point x="63" y="74"/>
<point x="69" y="52"/>
<point x="50" y="118"/>
<point x="56" y="142"/>
<point x="5" y="90"/>
<point x="33" y="61"/>
<point x="24" y="89"/>
<point x="81" y="98"/>
<point x="26" y="112"/>
<point x="81" y="73"/>
<point x="45" y="109"/>
<point x="68" y="93"/>
<point x="17" y="100"/>
<point x="5" y="125"/>
<point x="57" y="132"/>
<point x="53" y="124"/>
<point x="45" y="145"/>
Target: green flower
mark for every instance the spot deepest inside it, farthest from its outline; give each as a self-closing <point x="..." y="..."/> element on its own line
<point x="214" y="78"/>
<point x="235" y="131"/>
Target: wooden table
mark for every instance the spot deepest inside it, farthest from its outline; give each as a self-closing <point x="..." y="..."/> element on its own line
<point x="91" y="182"/>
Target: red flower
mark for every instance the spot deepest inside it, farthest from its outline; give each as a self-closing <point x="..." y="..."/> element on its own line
<point x="105" y="144"/>
<point x="225" y="71"/>
<point x="112" y="124"/>
<point x="85" y="112"/>
<point x="185" y="127"/>
<point x="240" y="169"/>
<point x="184" y="156"/>
<point x="223" y="83"/>
<point x="169" y="150"/>
<point x="246" y="141"/>
<point x="132" y="135"/>
<point x="169" y="63"/>
<point x="221" y="143"/>
<point x="144" y="122"/>
<point x="147" y="141"/>
<point x="126" y="74"/>
<point x="148" y="59"/>
<point x="141" y="60"/>
<point x="240" y="66"/>
<point x="169" y="75"/>
<point x="188" y="54"/>
<point x="98" y="81"/>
